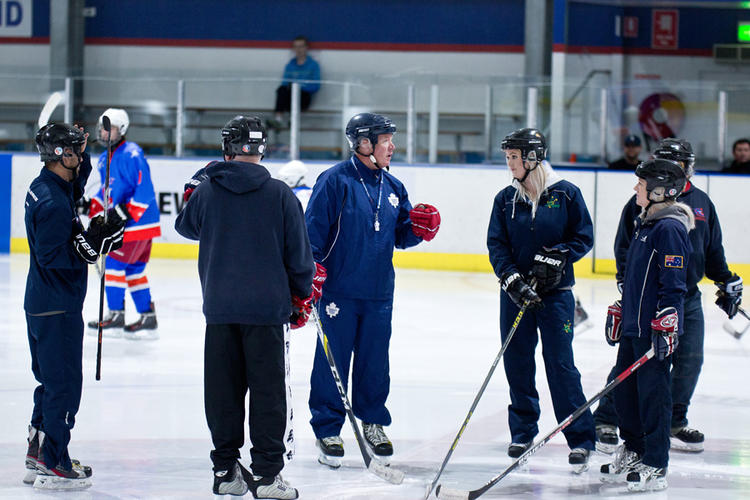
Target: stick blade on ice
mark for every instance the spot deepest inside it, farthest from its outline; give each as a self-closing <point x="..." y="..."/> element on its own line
<point x="394" y="476"/>
<point x="451" y="494"/>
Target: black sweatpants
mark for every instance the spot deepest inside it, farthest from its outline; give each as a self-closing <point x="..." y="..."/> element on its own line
<point x="237" y="358"/>
<point x="284" y="99"/>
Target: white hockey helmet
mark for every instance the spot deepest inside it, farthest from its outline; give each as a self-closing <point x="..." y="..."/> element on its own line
<point x="118" y="118"/>
<point x="293" y="173"/>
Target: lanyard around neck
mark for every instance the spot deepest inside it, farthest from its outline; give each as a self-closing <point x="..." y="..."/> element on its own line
<point x="372" y="202"/>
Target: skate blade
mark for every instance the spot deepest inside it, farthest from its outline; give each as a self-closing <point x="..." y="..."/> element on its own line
<point x="383" y="471"/>
<point x="678" y="445"/>
<point x="327" y="460"/>
<point x="579" y="468"/>
<point x="655" y="485"/>
<point x="605" y="448"/>
<point x="142" y="335"/>
<point x="44" y="482"/>
<point x="451" y="494"/>
<point x="30" y="476"/>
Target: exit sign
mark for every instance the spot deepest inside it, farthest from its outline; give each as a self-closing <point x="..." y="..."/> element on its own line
<point x="743" y="31"/>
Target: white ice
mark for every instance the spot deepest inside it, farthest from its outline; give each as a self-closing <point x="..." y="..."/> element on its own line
<point x="142" y="427"/>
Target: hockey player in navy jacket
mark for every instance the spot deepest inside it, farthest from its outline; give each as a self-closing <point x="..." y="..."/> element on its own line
<point x="650" y="315"/>
<point x="539" y="226"/>
<point x="357" y="214"/>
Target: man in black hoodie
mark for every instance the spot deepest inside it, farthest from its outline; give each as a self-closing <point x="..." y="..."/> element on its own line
<point x="255" y="267"/>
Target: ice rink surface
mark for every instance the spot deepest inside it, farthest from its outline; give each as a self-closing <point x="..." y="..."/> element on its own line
<point x="142" y="427"/>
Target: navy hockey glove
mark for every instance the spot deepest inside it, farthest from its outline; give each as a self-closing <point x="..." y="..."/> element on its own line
<point x="100" y="239"/>
<point x="729" y="295"/>
<point x="194" y="182"/>
<point x="613" y="327"/>
<point x="548" y="268"/>
<point x="520" y="292"/>
<point x="664" y="330"/>
<point x="301" y="309"/>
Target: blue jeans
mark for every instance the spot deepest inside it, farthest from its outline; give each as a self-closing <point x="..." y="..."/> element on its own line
<point x="687" y="361"/>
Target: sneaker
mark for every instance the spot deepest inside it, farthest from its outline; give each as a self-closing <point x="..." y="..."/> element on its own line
<point x="272" y="487"/>
<point x="687" y="439"/>
<point x="77" y="477"/>
<point x="112" y="324"/>
<point x="647" y="478"/>
<point x="331" y="450"/>
<point x="606" y="438"/>
<point x="579" y="459"/>
<point x="378" y="441"/>
<point x="623" y="462"/>
<point x="515" y="450"/>
<point x="32" y="455"/>
<point x="230" y="481"/>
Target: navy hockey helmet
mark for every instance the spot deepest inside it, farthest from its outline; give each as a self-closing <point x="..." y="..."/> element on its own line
<point x="369" y="126"/>
<point x="529" y="141"/>
<point x="678" y="150"/>
<point x="667" y="174"/>
<point x="52" y="140"/>
<point x="244" y="136"/>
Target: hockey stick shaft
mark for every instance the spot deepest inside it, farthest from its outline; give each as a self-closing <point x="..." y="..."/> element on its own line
<point x="374" y="466"/>
<point x="471" y="495"/>
<point x="478" y="397"/>
<point x="742" y="312"/>
<point x="107" y="126"/>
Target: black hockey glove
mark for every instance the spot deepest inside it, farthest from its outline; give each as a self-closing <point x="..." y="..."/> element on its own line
<point x="194" y="182"/>
<point x="100" y="239"/>
<point x="729" y="295"/>
<point x="119" y="214"/>
<point x="548" y="268"/>
<point x="83" y="206"/>
<point x="520" y="292"/>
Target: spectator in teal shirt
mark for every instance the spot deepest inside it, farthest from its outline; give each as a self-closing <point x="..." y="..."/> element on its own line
<point x="302" y="68"/>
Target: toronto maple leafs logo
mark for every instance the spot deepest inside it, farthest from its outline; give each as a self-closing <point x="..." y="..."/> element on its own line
<point x="332" y="310"/>
<point x="393" y="200"/>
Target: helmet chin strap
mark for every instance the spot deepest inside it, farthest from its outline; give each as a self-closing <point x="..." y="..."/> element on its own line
<point x="74" y="170"/>
<point x="528" y="171"/>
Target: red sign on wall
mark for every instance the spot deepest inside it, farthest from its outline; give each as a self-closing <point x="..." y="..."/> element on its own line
<point x="664" y="29"/>
<point x="630" y="27"/>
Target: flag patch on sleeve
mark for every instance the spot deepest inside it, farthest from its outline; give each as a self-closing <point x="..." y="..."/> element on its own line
<point x="673" y="261"/>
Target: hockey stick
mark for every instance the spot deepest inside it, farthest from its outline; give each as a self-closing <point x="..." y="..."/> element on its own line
<point x="478" y="396"/>
<point x="737" y="333"/>
<point x="394" y="476"/>
<point x="107" y="126"/>
<point x="451" y="494"/>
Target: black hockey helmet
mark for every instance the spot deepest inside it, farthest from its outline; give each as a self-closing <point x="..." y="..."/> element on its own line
<point x="52" y="139"/>
<point x="678" y="150"/>
<point x="367" y="125"/>
<point x="244" y="136"/>
<point x="530" y="141"/>
<point x="667" y="174"/>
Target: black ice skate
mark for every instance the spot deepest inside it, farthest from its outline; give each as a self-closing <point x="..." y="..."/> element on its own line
<point x="32" y="455"/>
<point x="687" y="439"/>
<point x="377" y="440"/>
<point x="272" y="487"/>
<point x="112" y="324"/>
<point x="647" y="478"/>
<point x="581" y="317"/>
<point x="624" y="461"/>
<point x="77" y="477"/>
<point x="331" y="451"/>
<point x="578" y="458"/>
<point x="606" y="438"/>
<point x="515" y="450"/>
<point x="144" y="328"/>
<point x="230" y="481"/>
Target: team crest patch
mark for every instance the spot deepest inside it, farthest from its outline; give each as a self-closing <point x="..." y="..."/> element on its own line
<point x="553" y="202"/>
<point x="568" y="327"/>
<point x="393" y="200"/>
<point x="699" y="215"/>
<point x="674" y="261"/>
<point x="332" y="310"/>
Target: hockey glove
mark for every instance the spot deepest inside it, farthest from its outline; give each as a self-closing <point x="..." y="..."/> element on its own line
<point x="83" y="206"/>
<point x="119" y="214"/>
<point x="664" y="330"/>
<point x="425" y="221"/>
<point x="317" y="284"/>
<point x="301" y="309"/>
<point x="548" y="268"/>
<point x="520" y="292"/>
<point x="100" y="239"/>
<point x="729" y="295"/>
<point x="613" y="327"/>
<point x="193" y="183"/>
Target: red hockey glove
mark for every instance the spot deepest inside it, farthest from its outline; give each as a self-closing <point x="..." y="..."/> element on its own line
<point x="425" y="221"/>
<point x="613" y="327"/>
<point x="318" y="280"/>
<point x="301" y="309"/>
<point x="664" y="329"/>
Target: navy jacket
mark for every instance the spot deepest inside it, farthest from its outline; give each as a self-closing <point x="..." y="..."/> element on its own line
<point x="254" y="252"/>
<point x="341" y="224"/>
<point x="562" y="221"/>
<point x="707" y="255"/>
<point x="662" y="250"/>
<point x="57" y="274"/>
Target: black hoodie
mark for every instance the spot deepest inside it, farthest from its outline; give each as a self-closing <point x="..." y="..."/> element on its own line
<point x="254" y="251"/>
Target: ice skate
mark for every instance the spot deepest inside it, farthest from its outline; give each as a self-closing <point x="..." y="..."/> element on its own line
<point x="272" y="487"/>
<point x="143" y="329"/>
<point x="331" y="451"/>
<point x="623" y="462"/>
<point x="606" y="438"/>
<point x="647" y="478"/>
<point x="112" y="324"/>
<point x="687" y="439"/>
<point x="515" y="450"/>
<point x="378" y="442"/>
<point x="579" y="459"/>
<point x="32" y="455"/>
<point x="581" y="317"/>
<point x="230" y="481"/>
<point x="77" y="477"/>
